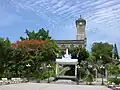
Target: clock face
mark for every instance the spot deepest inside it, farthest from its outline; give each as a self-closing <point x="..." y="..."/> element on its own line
<point x="80" y="23"/>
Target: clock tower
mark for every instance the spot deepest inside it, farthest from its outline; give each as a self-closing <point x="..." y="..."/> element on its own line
<point x="80" y="25"/>
<point x="80" y="36"/>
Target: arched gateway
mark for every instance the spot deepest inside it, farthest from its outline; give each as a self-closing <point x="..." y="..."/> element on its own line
<point x="66" y="60"/>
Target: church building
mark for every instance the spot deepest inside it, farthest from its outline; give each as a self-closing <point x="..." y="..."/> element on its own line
<point x="80" y="36"/>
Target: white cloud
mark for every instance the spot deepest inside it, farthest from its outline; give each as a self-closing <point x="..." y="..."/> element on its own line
<point x="61" y="9"/>
<point x="106" y="4"/>
<point x="56" y="13"/>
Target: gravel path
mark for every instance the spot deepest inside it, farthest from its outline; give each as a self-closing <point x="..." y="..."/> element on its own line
<point x="43" y="86"/>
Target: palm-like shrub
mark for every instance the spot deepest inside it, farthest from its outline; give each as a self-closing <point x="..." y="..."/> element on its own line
<point x="88" y="79"/>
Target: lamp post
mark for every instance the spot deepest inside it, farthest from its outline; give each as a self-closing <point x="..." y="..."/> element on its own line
<point x="102" y="68"/>
<point x="28" y="65"/>
<point x="41" y="68"/>
<point x="49" y="66"/>
<point x="78" y="73"/>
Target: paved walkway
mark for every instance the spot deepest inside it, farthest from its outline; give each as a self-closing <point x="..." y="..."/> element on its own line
<point x="39" y="86"/>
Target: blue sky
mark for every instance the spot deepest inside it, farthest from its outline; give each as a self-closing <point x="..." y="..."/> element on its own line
<point x="58" y="16"/>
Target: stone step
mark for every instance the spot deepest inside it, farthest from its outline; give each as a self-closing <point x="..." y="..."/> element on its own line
<point x="63" y="82"/>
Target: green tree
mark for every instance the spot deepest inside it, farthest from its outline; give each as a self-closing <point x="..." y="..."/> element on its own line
<point x="47" y="51"/>
<point x="88" y="65"/>
<point x="38" y="47"/>
<point x="5" y="51"/>
<point x="79" y="53"/>
<point x="36" y="52"/>
<point x="102" y="51"/>
<point x="17" y="63"/>
<point x="42" y="34"/>
<point x="113" y="69"/>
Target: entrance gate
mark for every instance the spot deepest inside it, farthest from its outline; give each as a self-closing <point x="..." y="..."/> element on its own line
<point x="66" y="60"/>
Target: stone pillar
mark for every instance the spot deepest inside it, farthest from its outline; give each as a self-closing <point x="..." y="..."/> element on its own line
<point x="58" y="72"/>
<point x="95" y="73"/>
<point x="67" y="51"/>
<point x="75" y="70"/>
<point x="56" y="69"/>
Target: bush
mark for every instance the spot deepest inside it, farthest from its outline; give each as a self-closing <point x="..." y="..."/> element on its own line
<point x="44" y="75"/>
<point x="89" y="79"/>
<point x="114" y="80"/>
